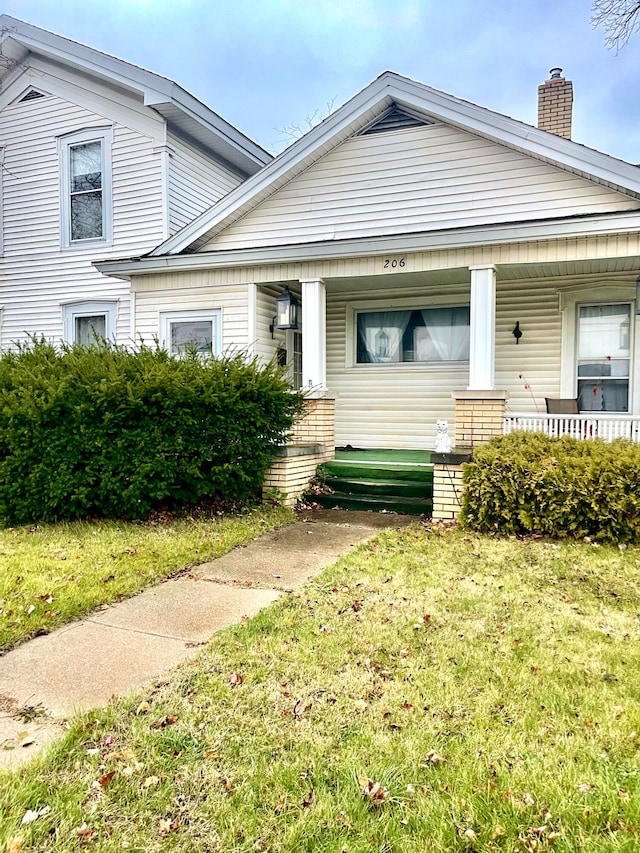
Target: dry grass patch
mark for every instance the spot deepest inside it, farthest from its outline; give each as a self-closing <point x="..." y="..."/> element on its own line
<point x="432" y="691"/>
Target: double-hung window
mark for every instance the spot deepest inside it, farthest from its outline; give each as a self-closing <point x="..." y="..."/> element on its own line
<point x="85" y="187"/>
<point x="184" y="331"/>
<point x="89" y="322"/>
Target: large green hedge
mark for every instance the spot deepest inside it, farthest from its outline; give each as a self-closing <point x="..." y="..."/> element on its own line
<point x="102" y="430"/>
<point x="527" y="482"/>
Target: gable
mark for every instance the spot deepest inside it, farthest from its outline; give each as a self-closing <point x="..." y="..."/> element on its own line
<point x="419" y="178"/>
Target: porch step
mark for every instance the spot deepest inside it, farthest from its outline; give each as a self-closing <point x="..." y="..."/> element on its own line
<point x="376" y="503"/>
<point x="368" y="486"/>
<point x="379" y="480"/>
<point x="378" y="471"/>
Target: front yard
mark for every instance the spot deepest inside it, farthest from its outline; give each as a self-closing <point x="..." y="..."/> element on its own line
<point x="433" y="691"/>
<point x="52" y="574"/>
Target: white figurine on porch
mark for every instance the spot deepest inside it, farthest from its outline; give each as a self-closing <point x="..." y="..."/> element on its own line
<point x="443" y="442"/>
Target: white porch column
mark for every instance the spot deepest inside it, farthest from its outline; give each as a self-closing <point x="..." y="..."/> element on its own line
<point x="314" y="334"/>
<point x="482" y="347"/>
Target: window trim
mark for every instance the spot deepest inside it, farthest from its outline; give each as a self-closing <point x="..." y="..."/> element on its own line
<point x="1" y="201"/>
<point x="104" y="135"/>
<point x="402" y="304"/>
<point x="166" y="318"/>
<point x="89" y="308"/>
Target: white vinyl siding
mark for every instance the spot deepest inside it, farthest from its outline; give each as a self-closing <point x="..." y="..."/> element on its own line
<point x="36" y="285"/>
<point x="232" y="302"/>
<point x="423" y="178"/>
<point x="195" y="182"/>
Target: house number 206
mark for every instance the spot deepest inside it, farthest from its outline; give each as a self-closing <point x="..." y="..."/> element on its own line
<point x="394" y="263"/>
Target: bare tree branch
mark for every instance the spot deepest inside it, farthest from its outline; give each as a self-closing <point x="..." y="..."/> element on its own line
<point x="618" y="18"/>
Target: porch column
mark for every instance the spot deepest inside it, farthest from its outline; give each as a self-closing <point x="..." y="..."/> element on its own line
<point x="314" y="335"/>
<point x="482" y="345"/>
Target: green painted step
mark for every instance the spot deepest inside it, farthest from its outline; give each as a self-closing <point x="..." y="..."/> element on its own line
<point x="355" y="470"/>
<point x="389" y="457"/>
<point x="416" y="489"/>
<point x="376" y="503"/>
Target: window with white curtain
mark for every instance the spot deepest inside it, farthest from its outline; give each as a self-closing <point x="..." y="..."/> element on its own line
<point x="427" y="335"/>
<point x="604" y="353"/>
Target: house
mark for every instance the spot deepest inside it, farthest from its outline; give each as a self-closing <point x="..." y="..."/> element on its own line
<point x="98" y="158"/>
<point x="421" y="235"/>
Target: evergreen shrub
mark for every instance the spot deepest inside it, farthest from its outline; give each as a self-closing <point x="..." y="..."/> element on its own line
<point x="527" y="482"/>
<point x="105" y="431"/>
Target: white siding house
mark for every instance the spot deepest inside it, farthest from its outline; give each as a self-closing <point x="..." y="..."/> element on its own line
<point x="418" y="230"/>
<point x="98" y="159"/>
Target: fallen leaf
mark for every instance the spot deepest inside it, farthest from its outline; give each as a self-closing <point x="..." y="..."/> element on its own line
<point x="301" y="707"/>
<point x="84" y="832"/>
<point x="14" y="845"/>
<point x="360" y="705"/>
<point x="235" y="679"/>
<point x="434" y="757"/>
<point x="308" y="800"/>
<point x="104" y="780"/>
<point x="374" y="792"/>
<point x="586" y="788"/>
<point x="165" y="826"/>
<point x="163" y="722"/>
<point x="31" y="814"/>
<point x="528" y="800"/>
<point x="357" y="605"/>
<point x="143" y="708"/>
<point x="108" y="740"/>
<point x="150" y="781"/>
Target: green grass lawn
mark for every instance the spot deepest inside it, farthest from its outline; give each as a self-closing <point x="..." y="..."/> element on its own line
<point x="52" y="574"/>
<point x="433" y="691"/>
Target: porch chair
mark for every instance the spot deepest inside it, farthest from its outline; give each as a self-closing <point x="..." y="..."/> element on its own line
<point x="562" y="406"/>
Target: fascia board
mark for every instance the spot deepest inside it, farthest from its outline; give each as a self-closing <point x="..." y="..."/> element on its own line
<point x="439" y="105"/>
<point x="362" y="247"/>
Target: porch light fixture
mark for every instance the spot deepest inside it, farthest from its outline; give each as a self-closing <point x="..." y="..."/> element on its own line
<point x="286" y="316"/>
<point x="517" y="332"/>
<point x="638" y="296"/>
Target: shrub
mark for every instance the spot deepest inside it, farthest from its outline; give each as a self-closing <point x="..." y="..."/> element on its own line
<point x="105" y="431"/>
<point x="527" y="482"/>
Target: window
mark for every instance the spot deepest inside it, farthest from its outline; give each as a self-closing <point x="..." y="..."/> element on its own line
<point x="604" y="353"/>
<point x="85" y="170"/>
<point x="199" y="330"/>
<point x="431" y="335"/>
<point x="84" y="322"/>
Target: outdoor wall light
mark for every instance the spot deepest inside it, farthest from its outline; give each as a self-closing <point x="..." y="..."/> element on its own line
<point x="286" y="316"/>
<point x="517" y="332"/>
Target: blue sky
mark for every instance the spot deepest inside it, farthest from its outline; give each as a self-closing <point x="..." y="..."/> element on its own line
<point x="268" y="65"/>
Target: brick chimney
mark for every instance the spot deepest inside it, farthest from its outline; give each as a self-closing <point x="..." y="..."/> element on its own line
<point x="555" y="102"/>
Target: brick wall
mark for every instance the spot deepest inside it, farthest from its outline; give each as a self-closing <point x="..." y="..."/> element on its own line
<point x="310" y="444"/>
<point x="479" y="416"/>
<point x="447" y="491"/>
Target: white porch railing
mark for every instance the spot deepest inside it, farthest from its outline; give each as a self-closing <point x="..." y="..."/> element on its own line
<point x="606" y="426"/>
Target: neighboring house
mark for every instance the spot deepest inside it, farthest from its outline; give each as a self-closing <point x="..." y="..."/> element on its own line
<point x="417" y="230"/>
<point x="98" y="158"/>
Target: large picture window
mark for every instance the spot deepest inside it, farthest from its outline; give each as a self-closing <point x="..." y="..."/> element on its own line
<point x="604" y="353"/>
<point x="86" y="187"/>
<point x="431" y="335"/>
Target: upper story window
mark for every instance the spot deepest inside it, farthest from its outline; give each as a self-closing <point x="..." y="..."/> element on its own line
<point x="604" y="357"/>
<point x="85" y="171"/>
<point x="431" y="335"/>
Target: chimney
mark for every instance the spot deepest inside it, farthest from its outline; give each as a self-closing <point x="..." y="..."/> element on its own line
<point x="555" y="102"/>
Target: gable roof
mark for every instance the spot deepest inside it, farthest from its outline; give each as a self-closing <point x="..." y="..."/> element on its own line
<point x="180" y="109"/>
<point x="389" y="95"/>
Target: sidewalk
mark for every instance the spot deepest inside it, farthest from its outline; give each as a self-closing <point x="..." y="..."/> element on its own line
<point x="123" y="647"/>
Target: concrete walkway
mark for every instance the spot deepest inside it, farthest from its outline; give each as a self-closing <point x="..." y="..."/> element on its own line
<point x="123" y="647"/>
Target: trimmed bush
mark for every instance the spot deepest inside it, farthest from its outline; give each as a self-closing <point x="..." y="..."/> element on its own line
<point x="527" y="482"/>
<point x="105" y="431"/>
